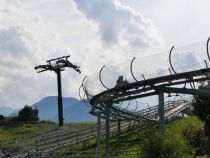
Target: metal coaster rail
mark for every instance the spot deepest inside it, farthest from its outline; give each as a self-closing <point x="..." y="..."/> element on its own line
<point x="105" y="102"/>
<point x="104" y="105"/>
<point x="155" y="84"/>
<point x="48" y="144"/>
<point x="54" y="140"/>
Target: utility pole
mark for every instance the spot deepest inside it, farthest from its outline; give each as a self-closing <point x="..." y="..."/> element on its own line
<point x="57" y="65"/>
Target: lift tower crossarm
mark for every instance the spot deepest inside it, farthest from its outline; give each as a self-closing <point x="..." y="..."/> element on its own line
<point x="57" y="65"/>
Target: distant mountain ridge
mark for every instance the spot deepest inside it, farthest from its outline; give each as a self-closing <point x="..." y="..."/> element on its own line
<point x="74" y="110"/>
<point x="6" y="111"/>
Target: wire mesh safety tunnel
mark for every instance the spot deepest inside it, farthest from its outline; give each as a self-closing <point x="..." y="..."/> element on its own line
<point x="153" y="65"/>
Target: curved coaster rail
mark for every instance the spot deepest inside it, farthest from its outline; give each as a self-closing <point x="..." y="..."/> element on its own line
<point x="108" y="103"/>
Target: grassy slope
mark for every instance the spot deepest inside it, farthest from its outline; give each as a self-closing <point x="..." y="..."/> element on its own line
<point x="10" y="130"/>
<point x="176" y="127"/>
<point x="15" y="136"/>
<point x="131" y="140"/>
<point x="14" y="130"/>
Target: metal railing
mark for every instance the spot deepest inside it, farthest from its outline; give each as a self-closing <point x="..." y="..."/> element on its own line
<point x="52" y="141"/>
<point x="92" y="154"/>
<point x="47" y="144"/>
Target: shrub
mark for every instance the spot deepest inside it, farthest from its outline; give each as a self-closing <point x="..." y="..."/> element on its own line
<point x="47" y="121"/>
<point x="2" y="117"/>
<point x="152" y="147"/>
<point x="28" y="114"/>
<point x="174" y="147"/>
<point x="14" y="118"/>
<point x="201" y="108"/>
<point x="196" y="137"/>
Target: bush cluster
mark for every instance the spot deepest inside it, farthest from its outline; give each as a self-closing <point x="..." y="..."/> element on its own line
<point x="28" y="114"/>
<point x="201" y="109"/>
<point x="2" y="117"/>
<point x="168" y="147"/>
<point x="196" y="137"/>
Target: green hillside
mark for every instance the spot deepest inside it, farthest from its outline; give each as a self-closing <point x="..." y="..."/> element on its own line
<point x="15" y="129"/>
<point x="15" y="136"/>
<point x="132" y="139"/>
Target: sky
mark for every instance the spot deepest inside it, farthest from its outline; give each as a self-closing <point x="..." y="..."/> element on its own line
<point x="93" y="32"/>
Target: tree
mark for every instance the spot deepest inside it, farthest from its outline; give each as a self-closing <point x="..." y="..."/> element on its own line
<point x="1" y="117"/>
<point x="201" y="105"/>
<point x="28" y="114"/>
<point x="196" y="137"/>
<point x="201" y="108"/>
<point x="171" y="146"/>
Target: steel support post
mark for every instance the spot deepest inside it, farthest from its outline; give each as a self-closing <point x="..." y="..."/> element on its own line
<point x="108" y="130"/>
<point x="161" y="113"/>
<point x="60" y="102"/>
<point x="182" y="115"/>
<point x="99" y="135"/>
<point x="118" y="130"/>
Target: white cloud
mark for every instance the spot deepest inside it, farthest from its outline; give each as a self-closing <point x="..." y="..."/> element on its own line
<point x="182" y="22"/>
<point x="12" y="44"/>
<point x="94" y="33"/>
<point x="34" y="31"/>
<point x="116" y="20"/>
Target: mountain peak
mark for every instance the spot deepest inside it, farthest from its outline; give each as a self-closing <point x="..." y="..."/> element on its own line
<point x="74" y="110"/>
<point x="6" y="111"/>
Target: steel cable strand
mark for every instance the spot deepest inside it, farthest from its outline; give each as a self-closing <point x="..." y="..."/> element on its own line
<point x="148" y="109"/>
<point x="133" y="115"/>
<point x="207" y="48"/>
<point x="101" y="79"/>
<point x="81" y="96"/>
<point x="127" y="106"/>
<point x="134" y="111"/>
<point x="120" y="102"/>
<point x="85" y="89"/>
<point x="131" y="69"/>
<point x="170" y="60"/>
<point x="136" y="106"/>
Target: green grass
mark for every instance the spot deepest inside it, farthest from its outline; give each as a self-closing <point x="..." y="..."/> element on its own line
<point x="81" y="123"/>
<point x="176" y="127"/>
<point x="132" y="139"/>
<point x="16" y="135"/>
<point x="129" y="140"/>
<point x="15" y="129"/>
